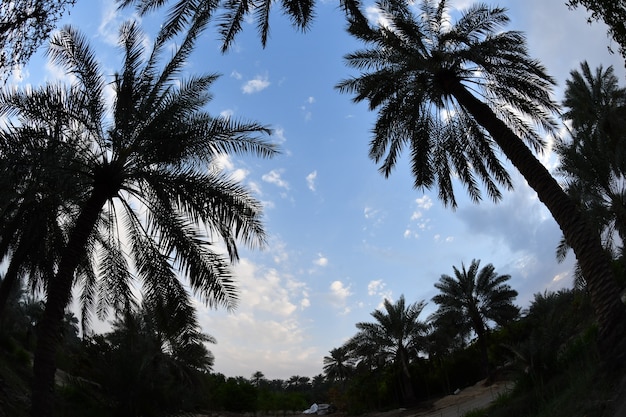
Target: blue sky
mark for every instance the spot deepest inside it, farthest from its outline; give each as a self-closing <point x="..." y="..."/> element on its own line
<point x="341" y="237"/>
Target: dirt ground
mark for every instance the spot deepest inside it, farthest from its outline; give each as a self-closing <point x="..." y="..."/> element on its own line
<point x="470" y="398"/>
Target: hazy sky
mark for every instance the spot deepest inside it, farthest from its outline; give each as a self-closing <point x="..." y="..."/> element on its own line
<point x="341" y="237"/>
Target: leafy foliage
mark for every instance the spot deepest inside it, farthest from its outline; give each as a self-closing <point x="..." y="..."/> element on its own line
<point x="406" y="75"/>
<point x="24" y="26"/>
<point x="593" y="160"/>
<point x="612" y="13"/>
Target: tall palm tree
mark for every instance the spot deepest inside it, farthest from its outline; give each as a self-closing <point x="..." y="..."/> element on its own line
<point x="475" y="297"/>
<point x="456" y="92"/>
<point x="339" y="365"/>
<point x="395" y="336"/>
<point x="593" y="160"/>
<point x="148" y="191"/>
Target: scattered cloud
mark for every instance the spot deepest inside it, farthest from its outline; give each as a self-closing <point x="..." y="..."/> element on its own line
<point x="374" y="287"/>
<point x="339" y="293"/>
<point x="236" y="75"/>
<point x="274" y="177"/>
<point x="321" y="260"/>
<point x="310" y="180"/>
<point x="279" y="135"/>
<point x="258" y="83"/>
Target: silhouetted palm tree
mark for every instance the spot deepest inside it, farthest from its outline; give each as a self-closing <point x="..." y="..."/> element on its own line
<point x="474" y="297"/>
<point x="233" y="14"/>
<point x="593" y="160"/>
<point x="151" y="193"/>
<point x="455" y="93"/>
<point x="339" y="365"/>
<point x="395" y="336"/>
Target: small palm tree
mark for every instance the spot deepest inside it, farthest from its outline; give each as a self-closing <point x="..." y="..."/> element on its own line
<point x="143" y="184"/>
<point x="395" y="337"/>
<point x="339" y="365"/>
<point x="456" y="93"/>
<point x="475" y="297"/>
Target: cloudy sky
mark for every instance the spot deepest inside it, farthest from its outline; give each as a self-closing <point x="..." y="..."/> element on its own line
<point x="341" y="237"/>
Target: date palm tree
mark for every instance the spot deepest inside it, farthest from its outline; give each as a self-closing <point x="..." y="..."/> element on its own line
<point x="147" y="192"/>
<point x="233" y="13"/>
<point x="475" y="297"/>
<point x="395" y="336"/>
<point x="458" y="93"/>
<point x="593" y="160"/>
<point x="339" y="365"/>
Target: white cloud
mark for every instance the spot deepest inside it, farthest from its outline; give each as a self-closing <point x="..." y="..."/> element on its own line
<point x="311" y="100"/>
<point x="274" y="177"/>
<point x="279" y="135"/>
<point x="310" y="180"/>
<point x="374" y="287"/>
<point x="370" y="212"/>
<point x="236" y="75"/>
<point x="339" y="293"/>
<point x="258" y="83"/>
<point x="424" y="202"/>
<point x="227" y="114"/>
<point x="321" y="260"/>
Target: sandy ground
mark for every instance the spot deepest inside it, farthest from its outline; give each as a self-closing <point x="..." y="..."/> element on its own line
<point x="470" y="398"/>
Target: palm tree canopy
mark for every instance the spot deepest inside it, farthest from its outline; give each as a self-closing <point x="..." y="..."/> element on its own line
<point x="339" y="365"/>
<point x="396" y="334"/>
<point x="406" y="74"/>
<point x="592" y="159"/>
<point x="475" y="297"/>
<point x="150" y="155"/>
<point x="183" y="13"/>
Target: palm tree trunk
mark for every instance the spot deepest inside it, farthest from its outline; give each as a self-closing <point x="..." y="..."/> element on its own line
<point x="57" y="298"/>
<point x="583" y="239"/>
<point x="405" y="379"/>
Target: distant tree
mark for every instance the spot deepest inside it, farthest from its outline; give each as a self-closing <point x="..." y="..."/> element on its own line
<point x="24" y="26"/>
<point x="151" y="366"/>
<point x="475" y="297"/>
<point x="395" y="336"/>
<point x="459" y="93"/>
<point x="593" y="158"/>
<point x="257" y="379"/>
<point x="612" y="13"/>
<point x="339" y="365"/>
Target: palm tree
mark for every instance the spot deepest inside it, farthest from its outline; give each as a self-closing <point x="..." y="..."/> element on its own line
<point x="397" y="335"/>
<point x="339" y="365"/>
<point x="455" y="92"/>
<point x="234" y="13"/>
<point x="474" y="297"/>
<point x="37" y="193"/>
<point x="593" y="161"/>
<point x="142" y="369"/>
<point x="148" y="190"/>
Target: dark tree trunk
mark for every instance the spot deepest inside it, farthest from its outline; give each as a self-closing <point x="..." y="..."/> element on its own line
<point x="583" y="239"/>
<point x="57" y="298"/>
<point x="408" y="394"/>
